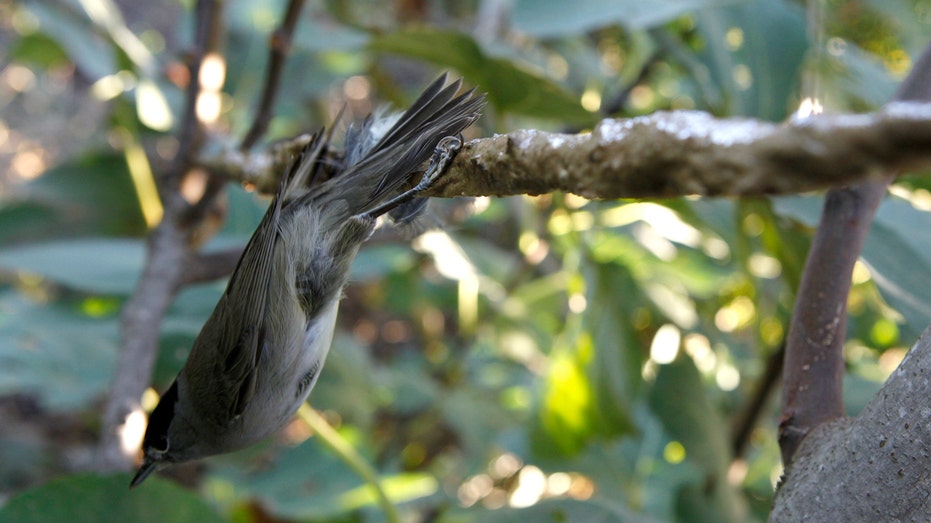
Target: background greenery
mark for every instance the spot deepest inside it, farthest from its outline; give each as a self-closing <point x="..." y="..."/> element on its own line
<point x="540" y="358"/>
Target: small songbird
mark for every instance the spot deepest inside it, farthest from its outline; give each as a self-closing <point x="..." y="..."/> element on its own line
<point x="261" y="351"/>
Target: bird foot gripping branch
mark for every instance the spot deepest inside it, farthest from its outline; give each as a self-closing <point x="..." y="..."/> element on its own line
<point x="261" y="351"/>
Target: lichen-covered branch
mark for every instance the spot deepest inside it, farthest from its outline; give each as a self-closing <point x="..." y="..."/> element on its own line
<point x="681" y="153"/>
<point x="664" y="155"/>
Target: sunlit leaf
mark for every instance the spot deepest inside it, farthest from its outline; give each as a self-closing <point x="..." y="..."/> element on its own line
<point x="152" y="106"/>
<point x="581" y="399"/>
<point x="38" y="48"/>
<point x="566" y="421"/>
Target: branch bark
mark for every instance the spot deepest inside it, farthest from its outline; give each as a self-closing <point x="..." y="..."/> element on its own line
<point x="279" y="45"/>
<point x="876" y="467"/>
<point x="814" y="365"/>
<point x="663" y="155"/>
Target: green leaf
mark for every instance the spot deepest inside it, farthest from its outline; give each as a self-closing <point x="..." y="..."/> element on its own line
<point x="102" y="266"/>
<point x="319" y="33"/>
<point x="93" y="54"/>
<point x="553" y="510"/>
<point x="476" y="416"/>
<point x="22" y="221"/>
<point x="510" y="88"/>
<point x="61" y="356"/>
<point x="101" y="499"/>
<point x="760" y="75"/>
<point x="856" y="80"/>
<point x="901" y="269"/>
<point x="309" y="482"/>
<point x="679" y="399"/>
<point x="615" y="371"/>
<point x="91" y="196"/>
<point x="896" y="251"/>
<point x="568" y="410"/>
<point x="39" y="49"/>
<point x="591" y="378"/>
<point x="551" y="18"/>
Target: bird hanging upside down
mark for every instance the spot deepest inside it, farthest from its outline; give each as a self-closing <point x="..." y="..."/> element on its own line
<point x="261" y="351"/>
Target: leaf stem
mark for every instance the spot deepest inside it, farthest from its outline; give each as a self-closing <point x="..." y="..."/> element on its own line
<point x="349" y="455"/>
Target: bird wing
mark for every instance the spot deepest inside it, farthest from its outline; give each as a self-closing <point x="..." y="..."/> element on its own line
<point x="242" y="322"/>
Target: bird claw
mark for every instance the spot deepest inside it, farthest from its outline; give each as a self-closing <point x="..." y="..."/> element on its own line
<point x="446" y="149"/>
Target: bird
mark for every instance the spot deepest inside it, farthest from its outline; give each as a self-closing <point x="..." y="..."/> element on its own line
<point x="262" y="349"/>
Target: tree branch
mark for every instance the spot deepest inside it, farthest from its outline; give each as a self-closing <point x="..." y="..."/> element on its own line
<point x="746" y="420"/>
<point x="204" y="267"/>
<point x="617" y="102"/>
<point x="279" y="46"/>
<point x="168" y="249"/>
<point x="814" y="364"/>
<point x="874" y="467"/>
<point x="663" y="155"/>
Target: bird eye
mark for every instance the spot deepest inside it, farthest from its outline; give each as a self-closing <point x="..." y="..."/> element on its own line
<point x="163" y="450"/>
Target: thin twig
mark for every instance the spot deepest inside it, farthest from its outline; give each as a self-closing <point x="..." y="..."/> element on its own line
<point x="747" y="419"/>
<point x="212" y="266"/>
<point x="279" y="46"/>
<point x="617" y="103"/>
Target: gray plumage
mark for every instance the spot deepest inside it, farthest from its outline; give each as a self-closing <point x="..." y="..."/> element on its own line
<point x="261" y="351"/>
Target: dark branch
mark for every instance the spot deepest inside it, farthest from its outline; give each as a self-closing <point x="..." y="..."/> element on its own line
<point x="201" y="268"/>
<point x="814" y="366"/>
<point x="191" y="131"/>
<point x="617" y="103"/>
<point x="874" y="467"/>
<point x="279" y="46"/>
<point x="748" y="418"/>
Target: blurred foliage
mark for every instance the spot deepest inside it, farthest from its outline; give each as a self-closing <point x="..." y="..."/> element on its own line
<point x="542" y="358"/>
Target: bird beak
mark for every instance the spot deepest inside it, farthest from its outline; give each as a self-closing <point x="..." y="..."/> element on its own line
<point x="148" y="467"/>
